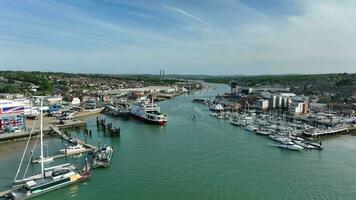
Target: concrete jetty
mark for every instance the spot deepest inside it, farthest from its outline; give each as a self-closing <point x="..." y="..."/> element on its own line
<point x="4" y="137"/>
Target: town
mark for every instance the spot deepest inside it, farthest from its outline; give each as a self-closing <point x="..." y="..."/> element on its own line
<point x="291" y="117"/>
<point x="67" y="97"/>
<point x="284" y="115"/>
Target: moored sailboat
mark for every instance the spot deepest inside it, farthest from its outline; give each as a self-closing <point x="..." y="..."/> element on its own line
<point x="48" y="179"/>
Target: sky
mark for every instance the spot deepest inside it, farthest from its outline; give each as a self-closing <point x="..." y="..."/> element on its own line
<point x="218" y="37"/>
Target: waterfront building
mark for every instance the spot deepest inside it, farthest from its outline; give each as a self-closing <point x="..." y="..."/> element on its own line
<point x="262" y="104"/>
<point x="90" y="104"/>
<point x="10" y="96"/>
<point x="54" y="100"/>
<point x="266" y="95"/>
<point x="190" y="85"/>
<point x="296" y="108"/>
<point x="233" y="88"/>
<point x="244" y="90"/>
<point x="318" y="107"/>
<point x="305" y="107"/>
<point x="75" y="101"/>
<point x="12" y="115"/>
<point x="285" y="102"/>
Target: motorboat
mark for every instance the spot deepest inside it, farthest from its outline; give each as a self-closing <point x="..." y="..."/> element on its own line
<point x="103" y="157"/>
<point x="251" y="128"/>
<point x="216" y="107"/>
<point x="78" y="148"/>
<point x="281" y="139"/>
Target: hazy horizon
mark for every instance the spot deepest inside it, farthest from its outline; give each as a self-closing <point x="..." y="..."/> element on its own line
<point x="176" y="74"/>
<point x="213" y="37"/>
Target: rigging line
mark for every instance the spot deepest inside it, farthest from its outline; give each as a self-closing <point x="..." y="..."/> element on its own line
<point x="24" y="152"/>
<point x="29" y="161"/>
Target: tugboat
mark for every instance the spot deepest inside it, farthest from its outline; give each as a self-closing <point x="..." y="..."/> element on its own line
<point x="149" y="112"/>
<point x="103" y="157"/>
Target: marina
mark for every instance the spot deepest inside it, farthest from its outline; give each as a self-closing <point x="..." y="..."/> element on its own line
<point x="232" y="155"/>
<point x="177" y="100"/>
<point x="47" y="179"/>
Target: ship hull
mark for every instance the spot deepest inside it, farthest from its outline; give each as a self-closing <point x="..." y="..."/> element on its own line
<point x="148" y="120"/>
<point x="56" y="187"/>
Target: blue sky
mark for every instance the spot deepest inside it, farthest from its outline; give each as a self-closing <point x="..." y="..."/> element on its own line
<point x="186" y="36"/>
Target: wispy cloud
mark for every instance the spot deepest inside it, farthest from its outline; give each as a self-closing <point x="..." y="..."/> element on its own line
<point x="182" y="12"/>
<point x="223" y="36"/>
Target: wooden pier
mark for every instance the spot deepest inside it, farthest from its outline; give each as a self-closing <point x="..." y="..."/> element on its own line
<point x="73" y="140"/>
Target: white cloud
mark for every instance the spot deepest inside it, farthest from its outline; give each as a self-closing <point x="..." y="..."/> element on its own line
<point x="320" y="39"/>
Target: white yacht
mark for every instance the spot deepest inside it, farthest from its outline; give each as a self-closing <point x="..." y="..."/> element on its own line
<point x="291" y="147"/>
<point x="216" y="107"/>
<point x="281" y="139"/>
<point x="78" y="148"/>
<point x="251" y="128"/>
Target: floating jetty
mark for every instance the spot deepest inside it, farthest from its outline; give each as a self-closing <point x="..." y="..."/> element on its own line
<point x="88" y="147"/>
<point x="330" y="131"/>
<point x="38" y="160"/>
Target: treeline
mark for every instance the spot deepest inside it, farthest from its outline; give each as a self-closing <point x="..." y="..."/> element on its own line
<point x="343" y="79"/>
<point x="20" y="82"/>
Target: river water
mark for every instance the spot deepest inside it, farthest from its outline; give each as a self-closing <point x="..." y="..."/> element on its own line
<point x="202" y="159"/>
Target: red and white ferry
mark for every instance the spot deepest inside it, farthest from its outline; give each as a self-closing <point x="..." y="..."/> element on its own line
<point x="149" y="112"/>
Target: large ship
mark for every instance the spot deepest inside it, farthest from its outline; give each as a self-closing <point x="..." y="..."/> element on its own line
<point x="149" y="112"/>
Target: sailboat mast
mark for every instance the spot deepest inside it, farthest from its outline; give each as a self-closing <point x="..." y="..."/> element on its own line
<point x="41" y="129"/>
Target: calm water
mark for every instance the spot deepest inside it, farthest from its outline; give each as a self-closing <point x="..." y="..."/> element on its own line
<point x="203" y="159"/>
